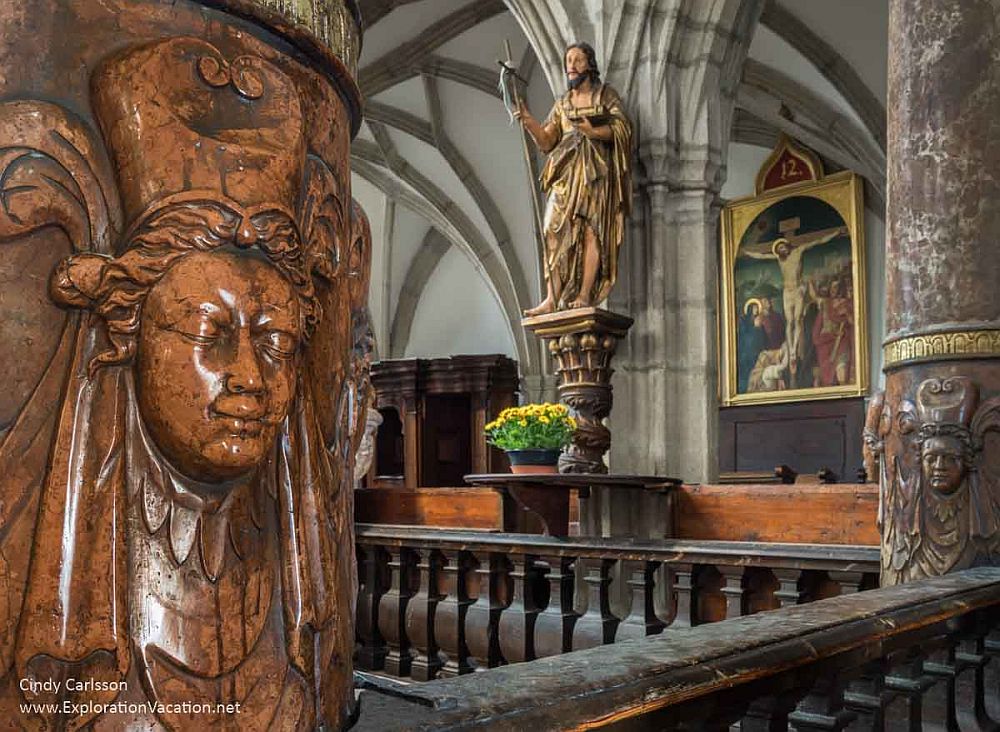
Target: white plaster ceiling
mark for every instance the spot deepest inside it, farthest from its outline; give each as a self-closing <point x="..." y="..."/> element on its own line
<point x="773" y="51"/>
<point x="857" y="29"/>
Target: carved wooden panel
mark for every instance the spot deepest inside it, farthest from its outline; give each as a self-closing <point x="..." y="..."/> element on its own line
<point x="436" y="410"/>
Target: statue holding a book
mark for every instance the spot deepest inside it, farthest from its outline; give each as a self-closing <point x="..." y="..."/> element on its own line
<point x="587" y="184"/>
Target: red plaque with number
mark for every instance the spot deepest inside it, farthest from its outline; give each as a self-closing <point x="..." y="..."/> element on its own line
<point x="788" y="164"/>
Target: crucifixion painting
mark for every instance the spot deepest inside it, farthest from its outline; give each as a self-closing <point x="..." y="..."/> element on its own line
<point x="792" y="284"/>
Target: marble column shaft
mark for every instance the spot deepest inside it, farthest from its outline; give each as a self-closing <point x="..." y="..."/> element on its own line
<point x="934" y="428"/>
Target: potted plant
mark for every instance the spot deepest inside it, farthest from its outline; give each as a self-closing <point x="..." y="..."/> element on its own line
<point x="532" y="435"/>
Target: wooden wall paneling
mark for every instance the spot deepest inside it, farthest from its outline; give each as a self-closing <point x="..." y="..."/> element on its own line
<point x="809" y="514"/>
<point x="806" y="436"/>
<point x="472" y="508"/>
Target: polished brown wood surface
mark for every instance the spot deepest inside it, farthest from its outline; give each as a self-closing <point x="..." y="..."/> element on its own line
<point x="186" y="291"/>
<point x="466" y="507"/>
<point x="804" y="514"/>
<point x="807" y="514"/>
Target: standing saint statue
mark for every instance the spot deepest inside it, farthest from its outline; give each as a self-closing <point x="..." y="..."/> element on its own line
<point x="588" y="184"/>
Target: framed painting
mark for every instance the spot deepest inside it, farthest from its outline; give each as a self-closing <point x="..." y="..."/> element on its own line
<point x="793" y="316"/>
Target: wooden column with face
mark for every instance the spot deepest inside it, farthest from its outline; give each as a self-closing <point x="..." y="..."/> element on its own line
<point x="179" y="448"/>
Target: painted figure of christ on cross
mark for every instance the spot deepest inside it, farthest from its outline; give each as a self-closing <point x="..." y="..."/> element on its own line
<point x="787" y="250"/>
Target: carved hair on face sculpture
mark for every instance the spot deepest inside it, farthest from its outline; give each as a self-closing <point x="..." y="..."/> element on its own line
<point x="211" y="307"/>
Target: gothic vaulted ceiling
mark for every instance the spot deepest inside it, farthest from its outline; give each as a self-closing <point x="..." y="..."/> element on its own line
<point x="444" y="178"/>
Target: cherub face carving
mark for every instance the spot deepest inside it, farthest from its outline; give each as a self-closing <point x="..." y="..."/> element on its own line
<point x="942" y="464"/>
<point x="217" y="353"/>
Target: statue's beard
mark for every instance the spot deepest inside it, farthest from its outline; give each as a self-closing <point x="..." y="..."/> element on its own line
<point x="576" y="81"/>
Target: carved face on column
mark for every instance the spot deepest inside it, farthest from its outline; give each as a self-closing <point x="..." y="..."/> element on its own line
<point x="217" y="354"/>
<point x="944" y="409"/>
<point x="938" y="505"/>
<point x="176" y="494"/>
<point x="943" y="464"/>
<point x="212" y="295"/>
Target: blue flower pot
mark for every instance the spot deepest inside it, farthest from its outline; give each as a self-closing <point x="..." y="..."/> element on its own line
<point x="534" y="461"/>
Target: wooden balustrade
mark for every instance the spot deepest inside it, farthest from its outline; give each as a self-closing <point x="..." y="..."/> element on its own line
<point x="917" y="656"/>
<point x="445" y="603"/>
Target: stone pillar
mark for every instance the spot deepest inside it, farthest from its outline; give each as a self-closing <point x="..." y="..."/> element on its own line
<point x="667" y="371"/>
<point x="933" y="436"/>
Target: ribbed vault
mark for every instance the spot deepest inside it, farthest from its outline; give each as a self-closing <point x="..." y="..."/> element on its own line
<point x="436" y="141"/>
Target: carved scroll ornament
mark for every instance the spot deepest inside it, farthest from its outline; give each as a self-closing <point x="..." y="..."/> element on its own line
<point x="940" y="495"/>
<point x="189" y="539"/>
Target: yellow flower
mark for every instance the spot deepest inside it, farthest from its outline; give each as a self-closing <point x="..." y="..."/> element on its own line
<point x="523" y="423"/>
<point x="543" y="419"/>
<point x="571" y="422"/>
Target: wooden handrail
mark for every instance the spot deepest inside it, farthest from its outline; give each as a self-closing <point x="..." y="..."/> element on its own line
<point x="795" y="665"/>
<point x="825" y="557"/>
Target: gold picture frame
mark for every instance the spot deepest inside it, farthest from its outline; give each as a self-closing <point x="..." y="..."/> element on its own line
<point x="793" y="311"/>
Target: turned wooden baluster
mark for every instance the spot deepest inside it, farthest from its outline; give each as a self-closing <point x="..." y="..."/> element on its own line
<point x="597" y="625"/>
<point x="684" y="589"/>
<point x="770" y="713"/>
<point x="420" y="618"/>
<point x="945" y="665"/>
<point x="483" y="615"/>
<point x="824" y="707"/>
<point x="372" y="650"/>
<point x="980" y="653"/>
<point x="868" y="696"/>
<point x="554" y="623"/>
<point x="789" y="590"/>
<point x="908" y="679"/>
<point x="733" y="589"/>
<point x="850" y="582"/>
<point x="642" y="619"/>
<point x="516" y="628"/>
<point x="392" y="612"/>
<point x="449" y="619"/>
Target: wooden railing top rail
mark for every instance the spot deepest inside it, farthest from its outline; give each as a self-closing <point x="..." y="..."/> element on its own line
<point x="674" y="672"/>
<point x="834" y="557"/>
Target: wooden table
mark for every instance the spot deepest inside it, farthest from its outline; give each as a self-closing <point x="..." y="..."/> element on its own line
<point x="546" y="497"/>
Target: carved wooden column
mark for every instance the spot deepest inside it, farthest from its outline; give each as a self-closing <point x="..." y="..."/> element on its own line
<point x="583" y="343"/>
<point x="183" y="363"/>
<point x="934" y="436"/>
